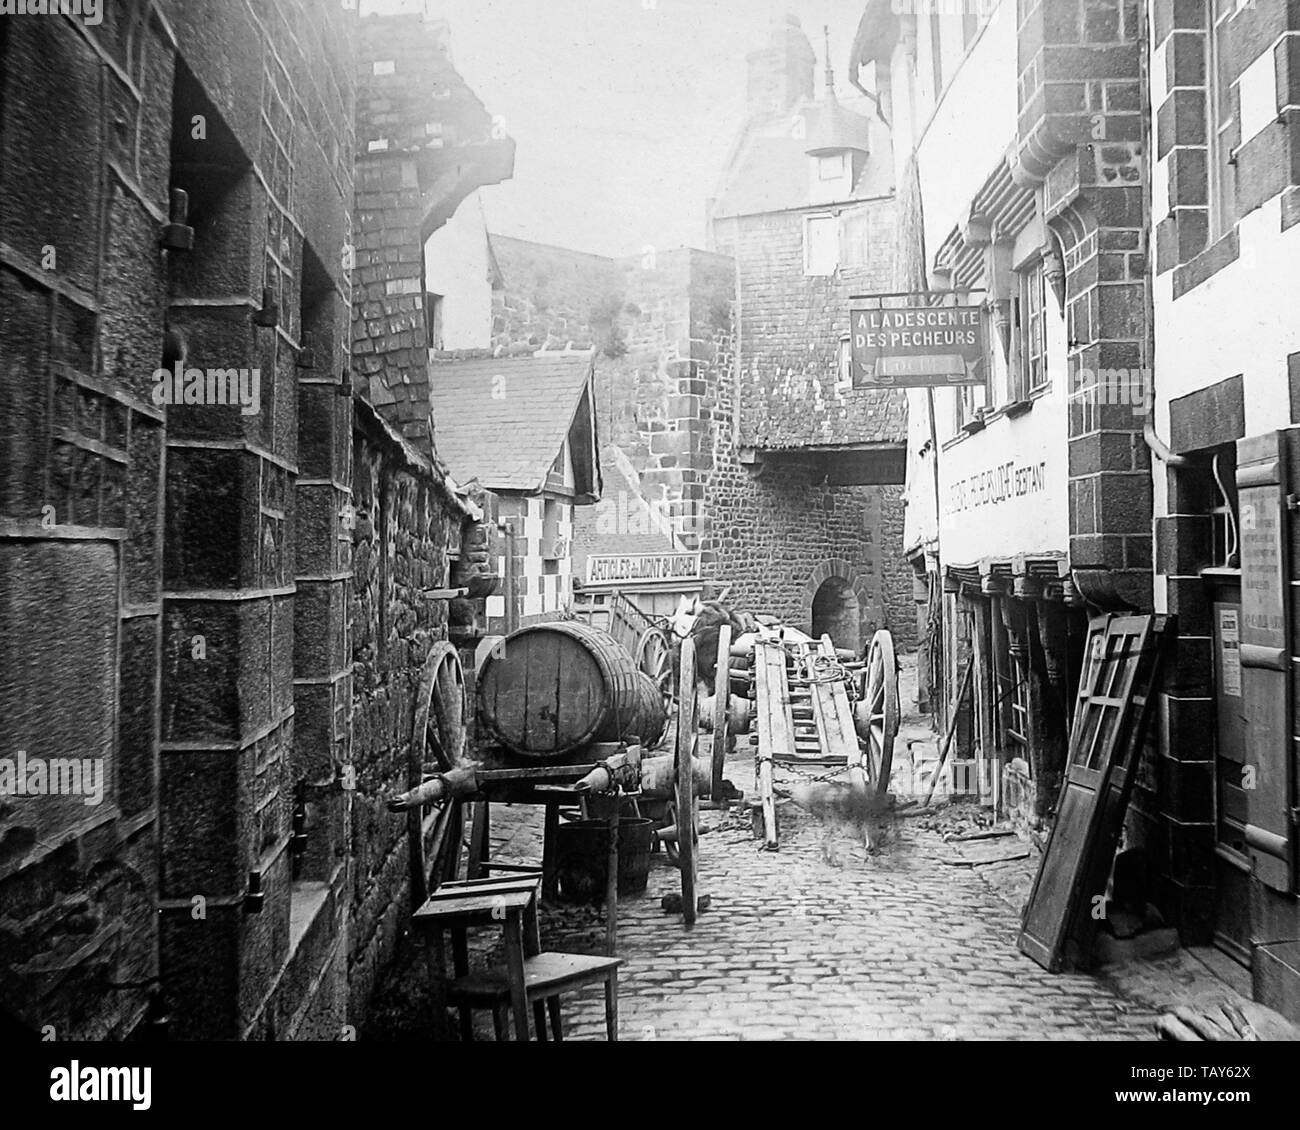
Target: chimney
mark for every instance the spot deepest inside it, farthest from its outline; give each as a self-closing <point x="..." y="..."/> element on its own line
<point x="781" y="74"/>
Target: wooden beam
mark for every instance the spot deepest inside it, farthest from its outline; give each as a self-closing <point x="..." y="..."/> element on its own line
<point x="775" y="728"/>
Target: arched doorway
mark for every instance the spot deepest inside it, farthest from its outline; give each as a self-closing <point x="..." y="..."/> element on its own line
<point x="836" y="613"/>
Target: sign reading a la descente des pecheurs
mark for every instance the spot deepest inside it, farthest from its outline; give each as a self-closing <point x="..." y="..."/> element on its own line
<point x="917" y="346"/>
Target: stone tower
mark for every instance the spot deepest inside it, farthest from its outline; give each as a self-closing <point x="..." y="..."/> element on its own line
<point x="781" y="74"/>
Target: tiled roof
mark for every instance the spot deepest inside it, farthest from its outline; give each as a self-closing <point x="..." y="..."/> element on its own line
<point x="503" y="420"/>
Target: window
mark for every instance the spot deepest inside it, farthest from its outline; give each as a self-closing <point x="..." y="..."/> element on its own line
<point x="845" y="378"/>
<point x="555" y="475"/>
<point x="433" y="319"/>
<point x="1011" y="706"/>
<point x="832" y="167"/>
<point x="553" y="544"/>
<point x="1219" y="127"/>
<point x="855" y="238"/>
<point x="821" y="245"/>
<point x="973" y="403"/>
<point x="1030" y="371"/>
<point x="1017" y="710"/>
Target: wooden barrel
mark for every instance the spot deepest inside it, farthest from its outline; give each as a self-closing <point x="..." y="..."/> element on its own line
<point x="651" y="718"/>
<point x="550" y="688"/>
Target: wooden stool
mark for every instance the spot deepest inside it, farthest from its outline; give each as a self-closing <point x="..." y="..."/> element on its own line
<point x="546" y="976"/>
<point x="458" y="906"/>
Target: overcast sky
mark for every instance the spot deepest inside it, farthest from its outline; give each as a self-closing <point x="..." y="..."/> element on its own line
<point x="622" y="112"/>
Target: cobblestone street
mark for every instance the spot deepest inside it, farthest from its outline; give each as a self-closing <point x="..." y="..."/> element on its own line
<point x="822" y="941"/>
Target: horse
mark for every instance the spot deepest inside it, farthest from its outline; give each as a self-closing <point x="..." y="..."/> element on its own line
<point x="701" y="621"/>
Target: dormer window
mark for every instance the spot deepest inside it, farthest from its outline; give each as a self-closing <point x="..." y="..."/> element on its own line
<point x="838" y="142"/>
<point x="832" y="167"/>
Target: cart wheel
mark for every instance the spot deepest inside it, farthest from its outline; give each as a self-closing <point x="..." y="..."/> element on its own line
<point x="654" y="657"/>
<point x="670" y="821"/>
<point x="687" y="735"/>
<point x="721" y="703"/>
<point x="876" y="714"/>
<point x="436" y="837"/>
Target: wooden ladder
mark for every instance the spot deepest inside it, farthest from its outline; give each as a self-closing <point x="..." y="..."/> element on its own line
<point x="803" y="719"/>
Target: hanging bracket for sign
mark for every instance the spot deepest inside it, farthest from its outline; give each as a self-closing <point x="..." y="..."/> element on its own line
<point x="917" y="339"/>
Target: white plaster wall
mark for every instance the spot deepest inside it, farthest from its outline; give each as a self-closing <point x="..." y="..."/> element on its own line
<point x="971" y="128"/>
<point x="957" y="146"/>
<point x="1037" y="521"/>
<point x="548" y="592"/>
<point x="456" y="266"/>
<point x="920" y="525"/>
<point x="1243" y="319"/>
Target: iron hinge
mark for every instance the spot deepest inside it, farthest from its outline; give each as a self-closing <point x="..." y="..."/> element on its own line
<point x="1293" y="501"/>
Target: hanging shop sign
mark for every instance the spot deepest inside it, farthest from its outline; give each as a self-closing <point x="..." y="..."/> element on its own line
<point x="649" y="568"/>
<point x="917" y="346"/>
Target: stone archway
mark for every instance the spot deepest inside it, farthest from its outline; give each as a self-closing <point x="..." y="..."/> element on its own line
<point x="835" y="613"/>
<point x="837" y="602"/>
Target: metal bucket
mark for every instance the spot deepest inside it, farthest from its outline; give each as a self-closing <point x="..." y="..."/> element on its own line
<point x="582" y="857"/>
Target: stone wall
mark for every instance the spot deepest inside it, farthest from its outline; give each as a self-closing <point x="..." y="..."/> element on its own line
<point x="667" y="400"/>
<point x="174" y="589"/>
<point x="403" y="529"/>
<point x="790" y="325"/>
<point x="553" y="295"/>
<point x="408" y="526"/>
<point x="774" y="538"/>
<point x="800" y="529"/>
<point x="178" y="601"/>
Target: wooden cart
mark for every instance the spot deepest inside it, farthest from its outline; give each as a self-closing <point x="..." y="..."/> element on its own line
<point x="452" y="786"/>
<point x="820" y="713"/>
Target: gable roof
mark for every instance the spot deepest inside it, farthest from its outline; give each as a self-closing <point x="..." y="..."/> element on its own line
<point x="503" y="420"/>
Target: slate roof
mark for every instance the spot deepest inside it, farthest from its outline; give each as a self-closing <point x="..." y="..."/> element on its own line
<point x="503" y="420"/>
<point x="787" y="410"/>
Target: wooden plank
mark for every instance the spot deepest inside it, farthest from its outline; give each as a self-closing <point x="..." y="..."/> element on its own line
<point x="989" y="770"/>
<point x="539" y="692"/>
<point x="967" y="855"/>
<point x="457" y="903"/>
<point x="839" y="735"/>
<point x="775" y="737"/>
<point x="509" y="687"/>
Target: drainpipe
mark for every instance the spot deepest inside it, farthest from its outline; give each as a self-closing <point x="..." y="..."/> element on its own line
<point x="1158" y="447"/>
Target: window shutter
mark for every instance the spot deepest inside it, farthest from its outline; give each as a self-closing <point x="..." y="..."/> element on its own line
<point x="1266" y="655"/>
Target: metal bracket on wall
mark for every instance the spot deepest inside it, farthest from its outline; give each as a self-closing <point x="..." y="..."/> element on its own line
<point x="255" y="899"/>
